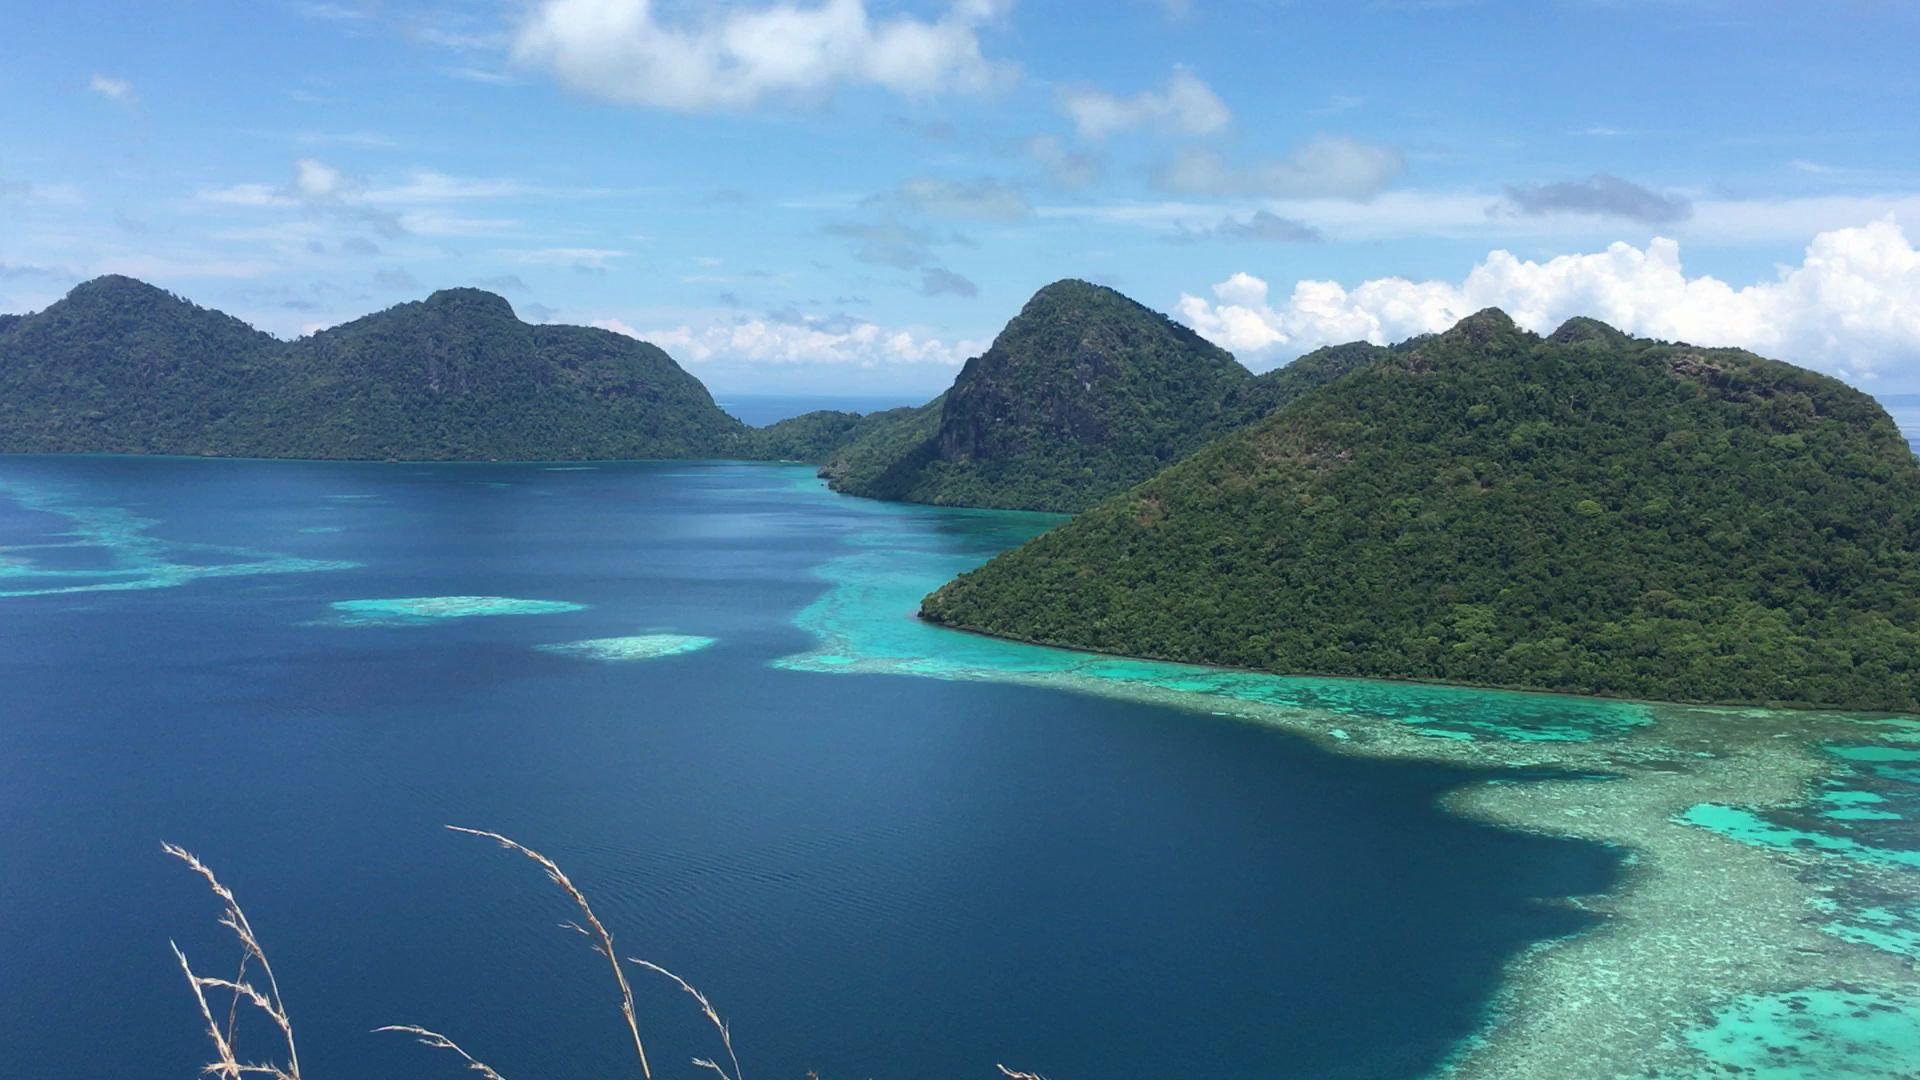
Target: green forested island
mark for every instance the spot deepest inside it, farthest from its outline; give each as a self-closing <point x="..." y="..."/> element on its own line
<point x="119" y="366"/>
<point x="1584" y="512"/>
<point x="1083" y="394"/>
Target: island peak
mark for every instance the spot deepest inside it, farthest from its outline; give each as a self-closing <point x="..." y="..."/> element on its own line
<point x="467" y="300"/>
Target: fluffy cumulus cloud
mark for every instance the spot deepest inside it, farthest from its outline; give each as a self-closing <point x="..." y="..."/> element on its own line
<point x="1851" y="307"/>
<point x="1326" y="166"/>
<point x="1186" y="106"/>
<point x="786" y="341"/>
<point x="735" y="57"/>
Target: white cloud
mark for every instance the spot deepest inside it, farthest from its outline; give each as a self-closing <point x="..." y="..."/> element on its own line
<point x="114" y="89"/>
<point x="1325" y="166"/>
<point x="317" y="180"/>
<point x="1187" y="106"/>
<point x="1852" y="306"/>
<point x="738" y="57"/>
<point x="414" y="205"/>
<point x="780" y="342"/>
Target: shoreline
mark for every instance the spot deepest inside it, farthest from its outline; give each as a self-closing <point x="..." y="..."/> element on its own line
<point x="1714" y="946"/>
<point x="1408" y="680"/>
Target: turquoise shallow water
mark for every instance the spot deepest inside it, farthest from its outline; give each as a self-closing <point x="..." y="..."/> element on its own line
<point x="865" y="622"/>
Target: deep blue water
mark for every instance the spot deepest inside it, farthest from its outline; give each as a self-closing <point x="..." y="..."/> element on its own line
<point x="760" y="410"/>
<point x="872" y="876"/>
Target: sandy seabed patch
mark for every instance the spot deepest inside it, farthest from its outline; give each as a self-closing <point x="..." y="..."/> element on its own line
<point x="418" y="610"/>
<point x="636" y="647"/>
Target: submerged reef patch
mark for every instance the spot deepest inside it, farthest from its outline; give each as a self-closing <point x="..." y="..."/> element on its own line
<point x="112" y="549"/>
<point x="1766" y="852"/>
<point x="1828" y="1032"/>
<point x="637" y="647"/>
<point x="419" y="610"/>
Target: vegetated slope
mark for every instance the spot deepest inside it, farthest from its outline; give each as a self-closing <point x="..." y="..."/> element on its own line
<point x="1586" y="512"/>
<point x="119" y="366"/>
<point x="895" y="442"/>
<point x="458" y="376"/>
<point x="1082" y="394"/>
<point x="122" y="367"/>
<point x="823" y="436"/>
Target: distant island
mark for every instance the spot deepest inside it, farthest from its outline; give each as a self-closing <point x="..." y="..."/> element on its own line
<point x="1584" y="512"/>
<point x="122" y="367"/>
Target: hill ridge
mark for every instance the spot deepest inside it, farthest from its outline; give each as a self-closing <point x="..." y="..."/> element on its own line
<point x="457" y="375"/>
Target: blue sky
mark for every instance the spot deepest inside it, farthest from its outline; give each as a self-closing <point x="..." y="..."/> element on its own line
<point x="853" y="197"/>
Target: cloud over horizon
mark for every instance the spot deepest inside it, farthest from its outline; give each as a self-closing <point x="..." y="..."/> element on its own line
<point x="1851" y="308"/>
<point x="788" y="342"/>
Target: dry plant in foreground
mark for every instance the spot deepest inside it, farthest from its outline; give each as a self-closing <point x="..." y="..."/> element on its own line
<point x="226" y="1063"/>
<point x="228" y="1066"/>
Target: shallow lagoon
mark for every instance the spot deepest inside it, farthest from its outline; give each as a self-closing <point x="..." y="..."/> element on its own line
<point x="884" y="849"/>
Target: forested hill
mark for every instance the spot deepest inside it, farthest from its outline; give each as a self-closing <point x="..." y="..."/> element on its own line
<point x="1083" y="394"/>
<point x="119" y="366"/>
<point x="1585" y="512"/>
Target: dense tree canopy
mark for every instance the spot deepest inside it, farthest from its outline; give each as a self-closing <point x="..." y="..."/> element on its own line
<point x="1585" y="512"/>
<point x="122" y="367"/>
<point x="1082" y="394"/>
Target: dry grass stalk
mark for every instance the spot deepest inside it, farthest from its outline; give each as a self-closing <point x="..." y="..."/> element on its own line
<point x="605" y="944"/>
<point x="270" y="1003"/>
<point x="726" y="1036"/>
<point x="228" y="1066"/>
<point x="441" y="1042"/>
